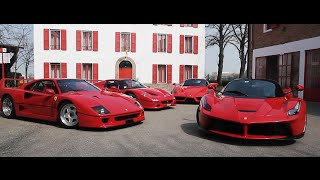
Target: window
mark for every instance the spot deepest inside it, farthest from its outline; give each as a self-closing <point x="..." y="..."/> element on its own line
<point x="87" y="71"/>
<point x="55" y="39"/>
<point x="87" y="40"/>
<point x="162" y="43"/>
<point x="43" y="85"/>
<point x="188" y="25"/>
<point x="162" y="24"/>
<point x="125" y="42"/>
<point x="55" y="70"/>
<point x="188" y="72"/>
<point x="285" y="70"/>
<point x="162" y="74"/>
<point x="269" y="27"/>
<point x="188" y="44"/>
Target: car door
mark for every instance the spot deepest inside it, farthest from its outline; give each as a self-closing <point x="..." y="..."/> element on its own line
<point x="37" y="101"/>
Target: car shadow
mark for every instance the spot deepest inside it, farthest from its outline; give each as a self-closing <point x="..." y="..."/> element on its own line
<point x="165" y="108"/>
<point x="109" y="129"/>
<point x="38" y="121"/>
<point x="193" y="130"/>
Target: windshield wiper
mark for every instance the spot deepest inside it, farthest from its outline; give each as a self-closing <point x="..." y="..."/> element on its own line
<point x="236" y="92"/>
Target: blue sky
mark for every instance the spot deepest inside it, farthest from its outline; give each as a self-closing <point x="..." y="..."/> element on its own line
<point x="231" y="59"/>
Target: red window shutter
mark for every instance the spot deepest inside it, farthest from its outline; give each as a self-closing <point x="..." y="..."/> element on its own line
<point x="195" y="25"/>
<point x="78" y="71"/>
<point x="195" y="71"/>
<point x="46" y="39"/>
<point x="133" y="42"/>
<point x="78" y="37"/>
<point x="169" y="74"/>
<point x="117" y="42"/>
<point x="169" y="43"/>
<point x="154" y="73"/>
<point x="181" y="25"/>
<point x="195" y="44"/>
<point x="46" y="70"/>
<point x="155" y="41"/>
<point x="63" y="39"/>
<point x="169" y="24"/>
<point x="181" y="44"/>
<point x="95" y="72"/>
<point x="64" y="70"/>
<point x="181" y="73"/>
<point x="95" y="41"/>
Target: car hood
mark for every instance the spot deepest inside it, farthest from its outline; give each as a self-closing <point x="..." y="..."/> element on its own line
<point x="115" y="103"/>
<point x="249" y="109"/>
<point x="152" y="91"/>
<point x="193" y="90"/>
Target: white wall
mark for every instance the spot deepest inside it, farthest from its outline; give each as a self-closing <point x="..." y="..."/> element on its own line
<point x="106" y="55"/>
<point x="301" y="46"/>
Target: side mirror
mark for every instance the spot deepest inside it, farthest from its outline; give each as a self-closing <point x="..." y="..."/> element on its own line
<point x="50" y="91"/>
<point x="113" y="87"/>
<point x="287" y="92"/>
<point x="213" y="86"/>
<point x="299" y="88"/>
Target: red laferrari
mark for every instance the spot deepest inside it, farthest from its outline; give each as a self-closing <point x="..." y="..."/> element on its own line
<point x="150" y="98"/>
<point x="253" y="109"/>
<point x="192" y="90"/>
<point x="72" y="102"/>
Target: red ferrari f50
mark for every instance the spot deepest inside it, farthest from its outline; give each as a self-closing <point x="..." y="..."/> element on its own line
<point x="253" y="109"/>
<point x="72" y="102"/>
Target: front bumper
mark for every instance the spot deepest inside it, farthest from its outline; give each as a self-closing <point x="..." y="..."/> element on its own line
<point x="184" y="99"/>
<point x="287" y="129"/>
<point x="108" y="121"/>
<point x="158" y="104"/>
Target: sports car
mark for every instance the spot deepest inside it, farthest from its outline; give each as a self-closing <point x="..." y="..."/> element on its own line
<point x="253" y="109"/>
<point x="150" y="98"/>
<point x="192" y="90"/>
<point x="72" y="102"/>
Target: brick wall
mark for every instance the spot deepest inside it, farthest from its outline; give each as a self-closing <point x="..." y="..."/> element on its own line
<point x="283" y="34"/>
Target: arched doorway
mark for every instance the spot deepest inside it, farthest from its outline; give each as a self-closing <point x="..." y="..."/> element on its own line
<point x="125" y="67"/>
<point x="125" y="70"/>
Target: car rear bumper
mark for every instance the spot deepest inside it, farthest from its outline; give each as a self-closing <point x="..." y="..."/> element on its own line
<point x="110" y="120"/>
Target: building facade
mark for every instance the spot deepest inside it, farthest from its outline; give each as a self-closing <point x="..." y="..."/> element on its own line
<point x="288" y="54"/>
<point x="150" y="53"/>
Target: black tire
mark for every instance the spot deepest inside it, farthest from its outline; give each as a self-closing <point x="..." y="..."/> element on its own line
<point x="132" y="95"/>
<point x="62" y="122"/>
<point x="8" y="114"/>
<point x="197" y="114"/>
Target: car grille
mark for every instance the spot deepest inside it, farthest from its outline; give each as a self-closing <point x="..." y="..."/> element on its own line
<point x="120" y="118"/>
<point x="226" y="126"/>
<point x="166" y="102"/>
<point x="180" y="98"/>
<point x="270" y="129"/>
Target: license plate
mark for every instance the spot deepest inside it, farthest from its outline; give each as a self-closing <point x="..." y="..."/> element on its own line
<point x="129" y="121"/>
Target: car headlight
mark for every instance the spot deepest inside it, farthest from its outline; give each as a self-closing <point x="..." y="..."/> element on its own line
<point x="295" y="110"/>
<point x="205" y="104"/>
<point x="100" y="110"/>
<point x="138" y="104"/>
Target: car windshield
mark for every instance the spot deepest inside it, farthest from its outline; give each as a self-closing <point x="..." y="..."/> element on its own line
<point x="75" y="85"/>
<point x="253" y="89"/>
<point x="130" y="84"/>
<point x="195" y="82"/>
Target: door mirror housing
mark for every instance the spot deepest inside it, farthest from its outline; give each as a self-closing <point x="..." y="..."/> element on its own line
<point x="50" y="91"/>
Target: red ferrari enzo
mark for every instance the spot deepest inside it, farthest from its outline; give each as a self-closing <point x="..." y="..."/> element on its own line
<point x="150" y="98"/>
<point x="72" y="102"/>
<point x="253" y="109"/>
<point x="192" y="90"/>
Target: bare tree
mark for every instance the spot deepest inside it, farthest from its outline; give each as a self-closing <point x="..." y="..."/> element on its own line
<point x="219" y="34"/>
<point x="19" y="35"/>
<point x="240" y="42"/>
